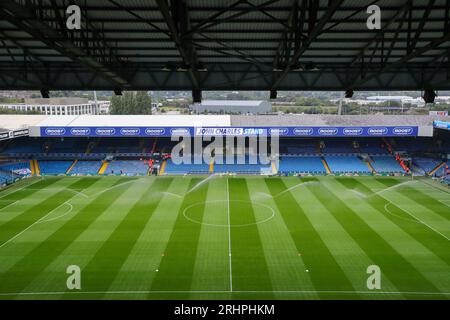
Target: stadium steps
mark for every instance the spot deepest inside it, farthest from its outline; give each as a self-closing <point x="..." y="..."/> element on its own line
<point x="370" y="166"/>
<point x="436" y="169"/>
<point x="71" y="167"/>
<point x="36" y="168"/>
<point x="325" y="164"/>
<point x="33" y="172"/>
<point x="163" y="167"/>
<point x="103" y="167"/>
<point x="274" y="167"/>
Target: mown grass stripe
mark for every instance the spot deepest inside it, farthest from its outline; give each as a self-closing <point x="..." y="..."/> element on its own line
<point x="212" y="270"/>
<point x="375" y="246"/>
<point x="423" y="199"/>
<point x="327" y="273"/>
<point x="35" y="262"/>
<point x="177" y="265"/>
<point x="12" y="227"/>
<point x="430" y="240"/>
<point x="286" y="268"/>
<point x="250" y="270"/>
<point x="103" y="268"/>
<point x="26" y="191"/>
<point x="139" y="269"/>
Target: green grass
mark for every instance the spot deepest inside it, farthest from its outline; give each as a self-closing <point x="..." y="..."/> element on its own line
<point x="225" y="238"/>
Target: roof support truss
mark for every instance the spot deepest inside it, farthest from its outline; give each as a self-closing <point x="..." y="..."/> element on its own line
<point x="27" y="20"/>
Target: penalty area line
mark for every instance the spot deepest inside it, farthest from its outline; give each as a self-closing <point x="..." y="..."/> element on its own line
<point x="419" y="220"/>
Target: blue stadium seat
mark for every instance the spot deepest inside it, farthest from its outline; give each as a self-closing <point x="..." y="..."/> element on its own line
<point x="386" y="164"/>
<point x="15" y="166"/>
<point x="301" y="165"/>
<point x="54" y="167"/>
<point x="127" y="167"/>
<point x="347" y="164"/>
<point x="248" y="166"/>
<point x="184" y="168"/>
<point x="86" y="167"/>
<point x="8" y="173"/>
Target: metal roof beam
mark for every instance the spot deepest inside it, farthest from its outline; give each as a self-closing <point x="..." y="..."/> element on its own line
<point x="422" y="23"/>
<point x="334" y="5"/>
<point x="380" y="34"/>
<point x="25" y="19"/>
<point x="176" y="28"/>
<point x="430" y="46"/>
<point x="95" y="7"/>
<point x="208" y="23"/>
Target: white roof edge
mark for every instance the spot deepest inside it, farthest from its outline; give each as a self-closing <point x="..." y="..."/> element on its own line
<point x="136" y="121"/>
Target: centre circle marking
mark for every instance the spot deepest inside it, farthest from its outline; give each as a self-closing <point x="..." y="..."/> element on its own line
<point x="226" y="224"/>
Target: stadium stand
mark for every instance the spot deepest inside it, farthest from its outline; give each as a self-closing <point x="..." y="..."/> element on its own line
<point x="6" y="178"/>
<point x="338" y="146"/>
<point x="186" y="168"/>
<point x="347" y="164"/>
<point x="440" y="171"/>
<point x="303" y="153"/>
<point x="11" y="171"/>
<point x="65" y="145"/>
<point x="372" y="146"/>
<point x="54" y="167"/>
<point x="15" y="166"/>
<point x="299" y="146"/>
<point x="446" y="180"/>
<point x="127" y="167"/>
<point x="294" y="165"/>
<point x="427" y="164"/>
<point x="386" y="164"/>
<point x="86" y="167"/>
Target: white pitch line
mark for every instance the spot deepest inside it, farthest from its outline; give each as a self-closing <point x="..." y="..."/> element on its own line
<point x="421" y="221"/>
<point x="27" y="228"/>
<point x="13" y="201"/>
<point x="446" y="202"/>
<point x="61" y="189"/>
<point x="23" y="187"/>
<point x="64" y="214"/>
<point x="222" y="291"/>
<point x="229" y="238"/>
<point x="395" y="215"/>
<point x="66" y="202"/>
<point x="116" y="186"/>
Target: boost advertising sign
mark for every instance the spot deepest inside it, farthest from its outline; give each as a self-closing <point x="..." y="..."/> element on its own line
<point x="349" y="131"/>
<point x="441" y="125"/>
<point x="114" y="131"/>
<point x="373" y="131"/>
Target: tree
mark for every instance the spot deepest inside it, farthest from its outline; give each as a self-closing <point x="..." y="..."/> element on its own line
<point x="143" y="103"/>
<point x="131" y="102"/>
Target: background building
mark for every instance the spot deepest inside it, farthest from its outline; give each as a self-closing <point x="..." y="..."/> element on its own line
<point x="55" y="106"/>
<point x="103" y="106"/>
<point x="232" y="106"/>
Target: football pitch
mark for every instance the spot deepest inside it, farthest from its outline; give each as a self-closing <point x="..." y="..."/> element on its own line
<point x="225" y="238"/>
